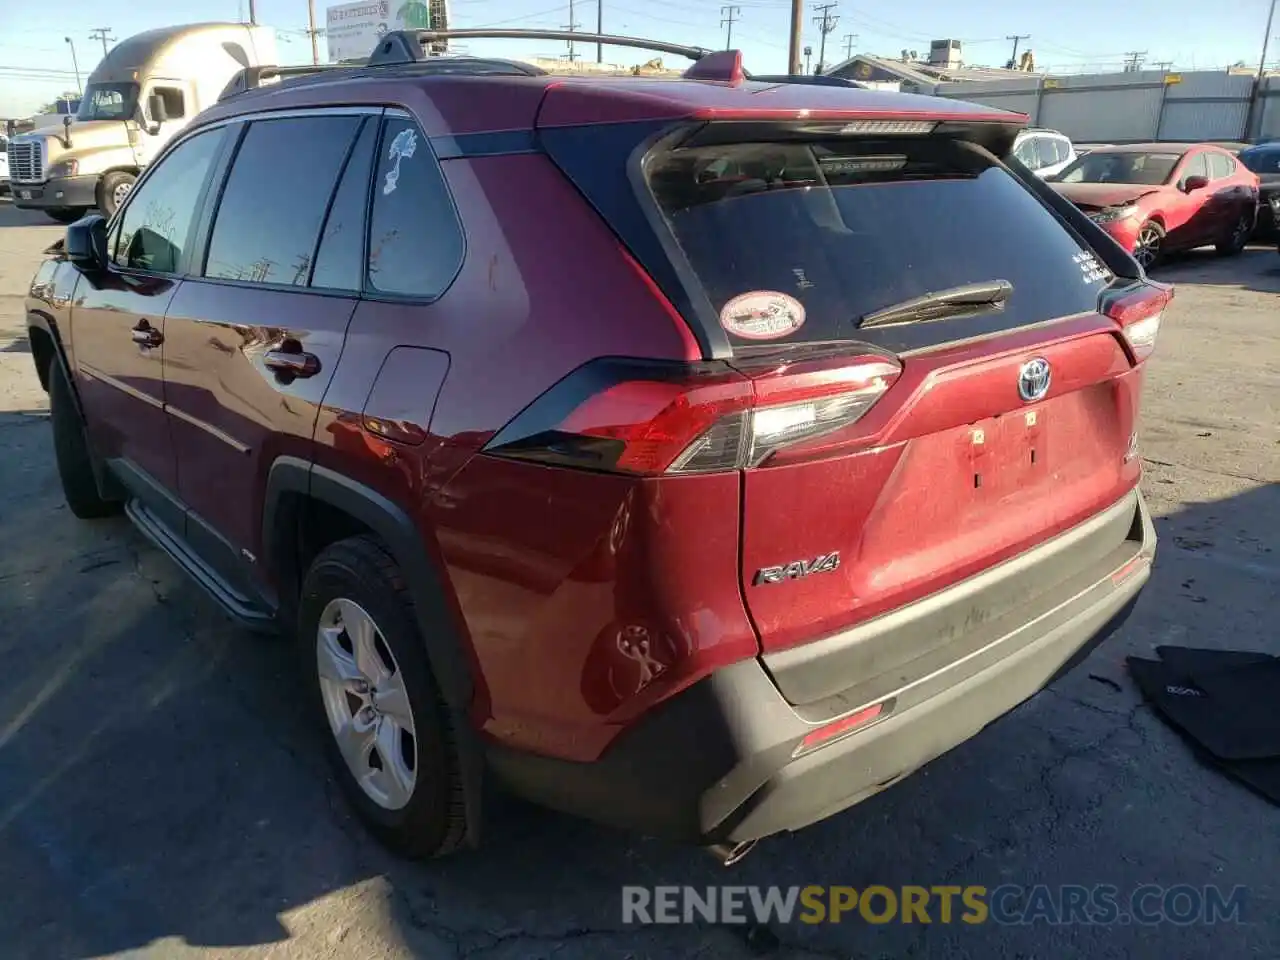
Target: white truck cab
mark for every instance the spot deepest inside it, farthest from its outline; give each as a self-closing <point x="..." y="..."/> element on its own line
<point x="146" y="89"/>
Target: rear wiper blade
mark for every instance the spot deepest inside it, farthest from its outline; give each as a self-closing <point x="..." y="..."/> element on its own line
<point x="965" y="300"/>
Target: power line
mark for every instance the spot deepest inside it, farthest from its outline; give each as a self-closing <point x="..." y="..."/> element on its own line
<point x="103" y="34"/>
<point x="826" y="23"/>
<point x="1013" y="57"/>
<point x="727" y="17"/>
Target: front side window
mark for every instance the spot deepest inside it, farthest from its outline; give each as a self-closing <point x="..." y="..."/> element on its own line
<point x="415" y="240"/>
<point x="1026" y="152"/>
<point x="1196" y="166"/>
<point x="175" y="106"/>
<point x="275" y="199"/>
<point x="109" y="101"/>
<point x="1047" y="148"/>
<point x="156" y="223"/>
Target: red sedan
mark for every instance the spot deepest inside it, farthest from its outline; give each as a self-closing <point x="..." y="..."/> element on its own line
<point x="1154" y="198"/>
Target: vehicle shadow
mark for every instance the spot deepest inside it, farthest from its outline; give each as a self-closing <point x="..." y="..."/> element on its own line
<point x="160" y="782"/>
<point x="1257" y="268"/>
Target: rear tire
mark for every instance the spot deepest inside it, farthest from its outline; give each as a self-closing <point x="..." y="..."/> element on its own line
<point x="1149" y="249"/>
<point x="414" y="802"/>
<point x="71" y="451"/>
<point x="1237" y="239"/>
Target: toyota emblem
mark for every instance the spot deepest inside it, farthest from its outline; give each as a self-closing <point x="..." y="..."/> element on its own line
<point x="1033" y="379"/>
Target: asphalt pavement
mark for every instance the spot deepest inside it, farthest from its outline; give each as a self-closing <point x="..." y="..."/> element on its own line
<point x="161" y="794"/>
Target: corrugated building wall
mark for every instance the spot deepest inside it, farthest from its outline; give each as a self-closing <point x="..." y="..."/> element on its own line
<point x="1146" y="105"/>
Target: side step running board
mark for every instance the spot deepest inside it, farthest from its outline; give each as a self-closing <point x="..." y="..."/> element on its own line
<point x="254" y="616"/>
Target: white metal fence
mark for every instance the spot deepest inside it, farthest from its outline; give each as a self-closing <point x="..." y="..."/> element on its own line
<point x="1147" y="105"/>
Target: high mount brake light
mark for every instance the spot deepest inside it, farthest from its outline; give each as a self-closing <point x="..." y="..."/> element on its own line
<point x="650" y="419"/>
<point x="1139" y="313"/>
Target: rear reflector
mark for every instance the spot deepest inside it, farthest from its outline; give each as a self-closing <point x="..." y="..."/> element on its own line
<point x="651" y="418"/>
<point x="1139" y="311"/>
<point x="1130" y="568"/>
<point x="841" y="728"/>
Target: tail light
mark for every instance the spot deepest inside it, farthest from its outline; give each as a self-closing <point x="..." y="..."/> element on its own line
<point x="650" y="418"/>
<point x="1138" y="311"/>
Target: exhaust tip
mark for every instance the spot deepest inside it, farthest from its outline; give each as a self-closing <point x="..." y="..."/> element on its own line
<point x="730" y="853"/>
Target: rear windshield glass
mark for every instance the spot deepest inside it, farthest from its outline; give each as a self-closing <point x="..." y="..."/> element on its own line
<point x="846" y="229"/>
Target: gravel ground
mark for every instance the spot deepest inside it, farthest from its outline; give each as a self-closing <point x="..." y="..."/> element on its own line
<point x="160" y="795"/>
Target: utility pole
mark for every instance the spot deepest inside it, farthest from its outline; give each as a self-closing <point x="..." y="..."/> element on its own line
<point x="826" y="23"/>
<point x="727" y="17"/>
<point x="103" y="34"/>
<point x="571" y="26"/>
<point x="849" y="40"/>
<point x="253" y="12"/>
<point x="75" y="63"/>
<point x="1133" y="60"/>
<point x="315" y="45"/>
<point x="1262" y="72"/>
<point x="793" y="45"/>
<point x="599" y="30"/>
<point x="1013" y="57"/>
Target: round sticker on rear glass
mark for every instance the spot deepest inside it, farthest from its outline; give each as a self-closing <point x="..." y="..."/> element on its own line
<point x="762" y="315"/>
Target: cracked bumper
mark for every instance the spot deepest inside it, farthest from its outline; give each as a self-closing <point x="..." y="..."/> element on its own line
<point x="717" y="762"/>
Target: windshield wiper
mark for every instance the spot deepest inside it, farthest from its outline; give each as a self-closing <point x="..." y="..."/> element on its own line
<point x="963" y="301"/>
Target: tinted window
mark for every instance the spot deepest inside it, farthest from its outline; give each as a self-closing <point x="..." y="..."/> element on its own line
<point x="157" y="220"/>
<point x="415" y="242"/>
<point x="1121" y="166"/>
<point x="849" y="228"/>
<point x="275" y="199"/>
<point x="1261" y="161"/>
<point x="1196" y="166"/>
<point x="340" y="260"/>
<point x="1220" y="166"/>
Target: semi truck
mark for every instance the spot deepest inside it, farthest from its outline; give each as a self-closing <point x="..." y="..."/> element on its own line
<point x="146" y="89"/>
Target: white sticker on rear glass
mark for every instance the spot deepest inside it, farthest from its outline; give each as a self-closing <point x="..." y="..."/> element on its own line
<point x="1091" y="268"/>
<point x="402" y="148"/>
<point x="762" y="315"/>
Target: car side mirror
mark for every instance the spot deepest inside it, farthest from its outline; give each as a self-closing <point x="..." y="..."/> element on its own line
<point x="86" y="243"/>
<point x="1195" y="183"/>
<point x="156" y="107"/>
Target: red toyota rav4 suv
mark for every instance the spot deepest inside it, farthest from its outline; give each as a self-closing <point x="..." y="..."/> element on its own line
<point x="699" y="455"/>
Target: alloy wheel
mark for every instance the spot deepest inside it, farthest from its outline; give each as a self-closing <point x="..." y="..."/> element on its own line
<point x="119" y="194"/>
<point x="1147" y="250"/>
<point x="367" y="704"/>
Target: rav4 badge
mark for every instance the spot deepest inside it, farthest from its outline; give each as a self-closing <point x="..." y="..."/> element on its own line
<point x="824" y="563"/>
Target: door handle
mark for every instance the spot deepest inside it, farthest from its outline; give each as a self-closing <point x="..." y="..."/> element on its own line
<point x="291" y="364"/>
<point x="145" y="335"/>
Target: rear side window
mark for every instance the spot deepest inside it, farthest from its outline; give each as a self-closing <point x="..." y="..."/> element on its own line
<point x="847" y="228"/>
<point x="276" y="197"/>
<point x="340" y="259"/>
<point x="156" y="222"/>
<point x="415" y="241"/>
<point x="1220" y="166"/>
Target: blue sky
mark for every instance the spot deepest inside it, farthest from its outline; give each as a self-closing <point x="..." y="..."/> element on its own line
<point x="35" y="60"/>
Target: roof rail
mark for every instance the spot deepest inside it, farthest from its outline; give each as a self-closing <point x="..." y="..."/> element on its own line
<point x="251" y="77"/>
<point x="413" y="46"/>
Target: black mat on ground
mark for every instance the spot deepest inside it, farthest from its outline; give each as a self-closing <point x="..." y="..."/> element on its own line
<point x="1226" y="702"/>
